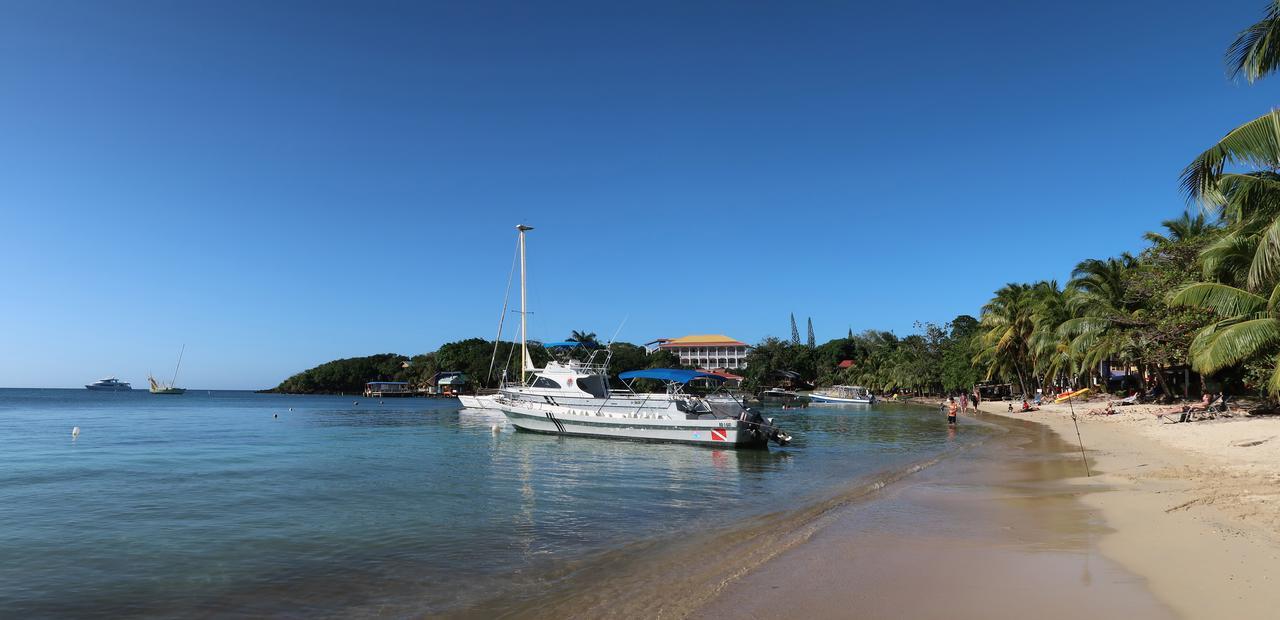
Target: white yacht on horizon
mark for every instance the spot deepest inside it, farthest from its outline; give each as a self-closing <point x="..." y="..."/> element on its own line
<point x="109" y="384"/>
<point x="574" y="397"/>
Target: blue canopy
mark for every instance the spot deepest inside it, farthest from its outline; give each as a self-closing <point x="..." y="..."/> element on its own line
<point x="569" y="344"/>
<point x="678" y="375"/>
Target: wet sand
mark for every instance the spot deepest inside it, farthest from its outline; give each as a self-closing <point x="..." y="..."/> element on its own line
<point x="994" y="532"/>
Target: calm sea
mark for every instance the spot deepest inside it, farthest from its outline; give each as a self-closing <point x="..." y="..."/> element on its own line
<point x="234" y="503"/>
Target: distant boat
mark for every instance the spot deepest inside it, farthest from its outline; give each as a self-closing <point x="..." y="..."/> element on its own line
<point x="843" y="394"/>
<point x="110" y="384"/>
<point x="779" y="395"/>
<point x="159" y="388"/>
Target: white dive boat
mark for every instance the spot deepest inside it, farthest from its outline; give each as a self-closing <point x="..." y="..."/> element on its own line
<point x="838" y="394"/>
<point x="109" y="384"/>
<point x="171" y="389"/>
<point x="574" y="397"/>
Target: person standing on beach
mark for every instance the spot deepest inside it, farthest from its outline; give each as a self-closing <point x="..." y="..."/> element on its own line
<point x="951" y="411"/>
<point x="973" y="398"/>
<point x="964" y="404"/>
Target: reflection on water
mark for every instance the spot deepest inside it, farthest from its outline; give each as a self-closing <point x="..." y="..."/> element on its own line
<point x="254" y="503"/>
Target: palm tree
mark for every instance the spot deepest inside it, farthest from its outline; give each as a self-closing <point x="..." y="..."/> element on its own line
<point x="1256" y="50"/>
<point x="1183" y="228"/>
<point x="1007" y="324"/>
<point x="1250" y="327"/>
<point x="583" y="337"/>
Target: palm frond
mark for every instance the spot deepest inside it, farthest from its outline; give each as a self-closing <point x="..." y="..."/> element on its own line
<point x="1238" y="343"/>
<point x="1256" y="50"/>
<point x="1256" y="142"/>
<point x="1227" y="301"/>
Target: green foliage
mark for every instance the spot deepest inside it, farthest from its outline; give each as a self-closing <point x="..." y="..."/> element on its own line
<point x="345" y="375"/>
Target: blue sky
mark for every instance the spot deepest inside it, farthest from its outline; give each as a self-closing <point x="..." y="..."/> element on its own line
<point x="279" y="184"/>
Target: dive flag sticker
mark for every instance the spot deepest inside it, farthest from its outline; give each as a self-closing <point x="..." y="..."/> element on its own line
<point x="719" y="434"/>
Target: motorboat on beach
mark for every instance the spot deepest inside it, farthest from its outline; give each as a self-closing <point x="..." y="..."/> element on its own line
<point x="109" y="384"/>
<point x="572" y="395"/>
<point x="843" y="394"/>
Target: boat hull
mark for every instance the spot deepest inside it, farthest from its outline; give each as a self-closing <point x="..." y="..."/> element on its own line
<point x="719" y="432"/>
<point x="819" y="399"/>
<point x="170" y="391"/>
<point x="109" y="388"/>
<point x="488" y="401"/>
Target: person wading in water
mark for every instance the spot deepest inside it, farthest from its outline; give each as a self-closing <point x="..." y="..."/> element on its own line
<point x="951" y="410"/>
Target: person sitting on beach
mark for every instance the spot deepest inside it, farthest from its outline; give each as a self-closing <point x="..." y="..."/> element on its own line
<point x="1109" y="410"/>
<point x="951" y="410"/>
<point x="1026" y="406"/>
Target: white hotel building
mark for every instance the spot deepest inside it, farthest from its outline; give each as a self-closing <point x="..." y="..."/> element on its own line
<point x="706" y="351"/>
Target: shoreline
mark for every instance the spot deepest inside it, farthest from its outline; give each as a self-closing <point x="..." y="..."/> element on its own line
<point x="1193" y="507"/>
<point x="1186" y="513"/>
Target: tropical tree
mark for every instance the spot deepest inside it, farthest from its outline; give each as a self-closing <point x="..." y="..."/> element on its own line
<point x="1249" y="327"/>
<point x="1007" y="325"/>
<point x="582" y="337"/>
<point x="1256" y="50"/>
<point x="1183" y="228"/>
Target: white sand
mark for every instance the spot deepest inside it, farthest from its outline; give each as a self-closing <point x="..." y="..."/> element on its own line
<point x="1195" y="507"/>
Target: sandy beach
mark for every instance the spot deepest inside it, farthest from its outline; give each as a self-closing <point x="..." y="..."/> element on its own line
<point x="1176" y="520"/>
<point x="1194" y="507"/>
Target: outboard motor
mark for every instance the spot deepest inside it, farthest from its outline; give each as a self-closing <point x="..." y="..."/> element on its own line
<point x="764" y="427"/>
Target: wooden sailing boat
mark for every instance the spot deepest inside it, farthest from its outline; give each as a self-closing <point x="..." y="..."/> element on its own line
<point x="158" y="388"/>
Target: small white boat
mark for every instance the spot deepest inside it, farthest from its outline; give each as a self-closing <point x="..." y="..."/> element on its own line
<point x="843" y="394"/>
<point x="480" y="401"/>
<point x="573" y="397"/>
<point x="109" y="384"/>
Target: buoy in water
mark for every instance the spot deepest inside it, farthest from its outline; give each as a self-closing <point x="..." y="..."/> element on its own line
<point x="290" y="408"/>
<point x="495" y="429"/>
<point x="75" y="432"/>
<point x="275" y="415"/>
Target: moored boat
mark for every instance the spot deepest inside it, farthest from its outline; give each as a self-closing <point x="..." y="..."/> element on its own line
<point x="843" y="394"/>
<point x="572" y="396"/>
<point x="109" y="384"/>
<point x="169" y="389"/>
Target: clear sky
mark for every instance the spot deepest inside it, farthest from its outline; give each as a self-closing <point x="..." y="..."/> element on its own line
<point x="278" y="184"/>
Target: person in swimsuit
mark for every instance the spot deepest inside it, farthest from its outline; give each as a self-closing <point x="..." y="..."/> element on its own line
<point x="964" y="404"/>
<point x="951" y="410"/>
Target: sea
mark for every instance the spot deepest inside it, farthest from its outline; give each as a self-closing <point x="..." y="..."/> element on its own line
<point x="238" y="504"/>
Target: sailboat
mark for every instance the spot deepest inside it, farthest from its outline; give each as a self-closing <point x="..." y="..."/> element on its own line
<point x="573" y="397"/>
<point x="159" y="388"/>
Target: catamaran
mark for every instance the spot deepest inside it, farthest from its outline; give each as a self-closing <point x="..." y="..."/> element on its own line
<point x="570" y="396"/>
<point x="843" y="394"/>
<point x="160" y="388"/>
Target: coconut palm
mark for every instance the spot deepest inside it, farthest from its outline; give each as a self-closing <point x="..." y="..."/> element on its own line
<point x="1183" y="228"/>
<point x="1256" y="50"/>
<point x="582" y="337"/>
<point x="1007" y="324"/>
<point x="1250" y="327"/>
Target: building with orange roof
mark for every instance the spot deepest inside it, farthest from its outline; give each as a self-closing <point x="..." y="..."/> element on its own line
<point x="706" y="350"/>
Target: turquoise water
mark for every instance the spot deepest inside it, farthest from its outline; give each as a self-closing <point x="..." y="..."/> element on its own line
<point x="209" y="502"/>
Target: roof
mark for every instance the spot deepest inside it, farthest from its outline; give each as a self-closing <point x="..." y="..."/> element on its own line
<point x="387" y="383"/>
<point x="846" y="363"/>
<point x="698" y="340"/>
<point x="726" y="374"/>
<point x="678" y="375"/>
<point x="458" y="379"/>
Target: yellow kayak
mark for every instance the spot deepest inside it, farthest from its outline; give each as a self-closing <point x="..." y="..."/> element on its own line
<point x="1076" y="394"/>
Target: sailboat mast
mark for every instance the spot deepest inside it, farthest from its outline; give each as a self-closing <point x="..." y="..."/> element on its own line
<point x="175" y="368"/>
<point x="524" y="339"/>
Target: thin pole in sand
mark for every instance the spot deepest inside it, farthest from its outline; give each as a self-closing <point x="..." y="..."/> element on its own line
<point x="1077" y="425"/>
